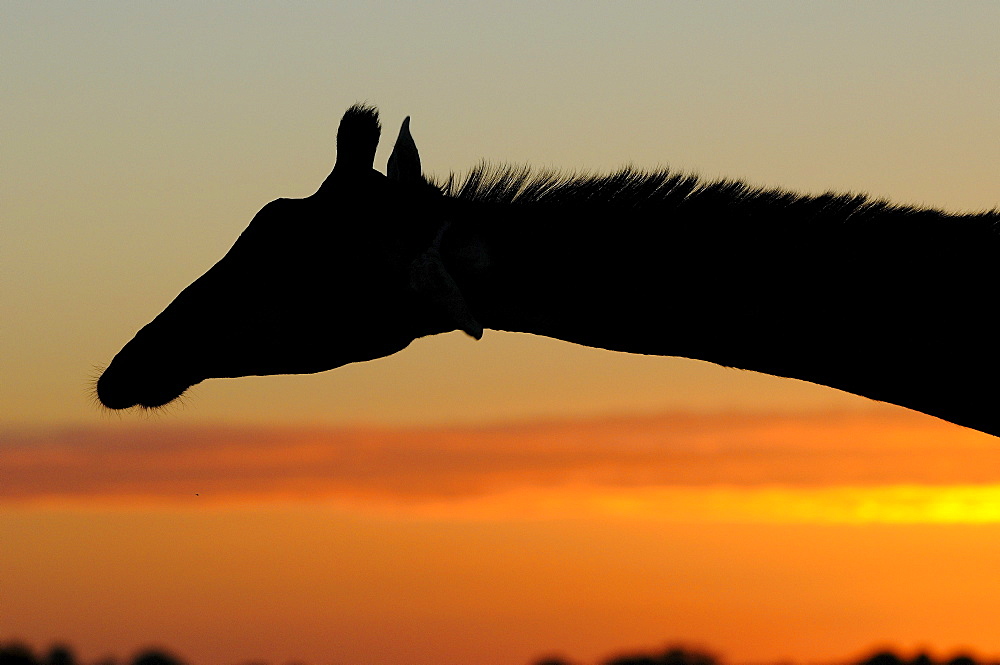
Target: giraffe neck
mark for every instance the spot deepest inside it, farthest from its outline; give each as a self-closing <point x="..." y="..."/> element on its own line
<point x="891" y="303"/>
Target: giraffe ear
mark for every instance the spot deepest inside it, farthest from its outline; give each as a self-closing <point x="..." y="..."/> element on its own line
<point x="404" y="162"/>
<point x="430" y="278"/>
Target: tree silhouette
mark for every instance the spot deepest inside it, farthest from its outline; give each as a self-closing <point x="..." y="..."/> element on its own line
<point x="672" y="656"/>
<point x="59" y="654"/>
<point x="882" y="658"/>
<point x="962" y="660"/>
<point x="156" y="657"/>
<point x="16" y="653"/>
<point x="552" y="660"/>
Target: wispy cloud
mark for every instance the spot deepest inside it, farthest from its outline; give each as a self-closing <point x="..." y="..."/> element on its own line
<point x="611" y="465"/>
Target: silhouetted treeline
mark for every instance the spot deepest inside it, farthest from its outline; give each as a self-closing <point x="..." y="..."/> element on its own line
<point x="676" y="655"/>
<point x="890" y="658"/>
<point x="671" y="656"/>
<point x="17" y="653"/>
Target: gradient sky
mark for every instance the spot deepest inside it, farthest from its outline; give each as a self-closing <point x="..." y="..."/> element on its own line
<point x="140" y="139"/>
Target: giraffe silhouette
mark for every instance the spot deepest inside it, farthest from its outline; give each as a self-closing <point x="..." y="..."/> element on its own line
<point x="891" y="302"/>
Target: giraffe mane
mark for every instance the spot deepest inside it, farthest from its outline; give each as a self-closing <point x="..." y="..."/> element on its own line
<point x="630" y="188"/>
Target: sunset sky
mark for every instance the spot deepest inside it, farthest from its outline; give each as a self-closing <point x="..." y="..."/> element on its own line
<point x="471" y="502"/>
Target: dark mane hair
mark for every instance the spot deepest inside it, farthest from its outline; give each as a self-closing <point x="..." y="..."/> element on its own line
<point x="631" y="188"/>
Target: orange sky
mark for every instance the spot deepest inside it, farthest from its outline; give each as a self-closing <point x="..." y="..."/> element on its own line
<point x="409" y="469"/>
<point x="762" y="537"/>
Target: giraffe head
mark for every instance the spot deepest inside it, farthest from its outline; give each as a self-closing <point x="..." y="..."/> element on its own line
<point x="351" y="273"/>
